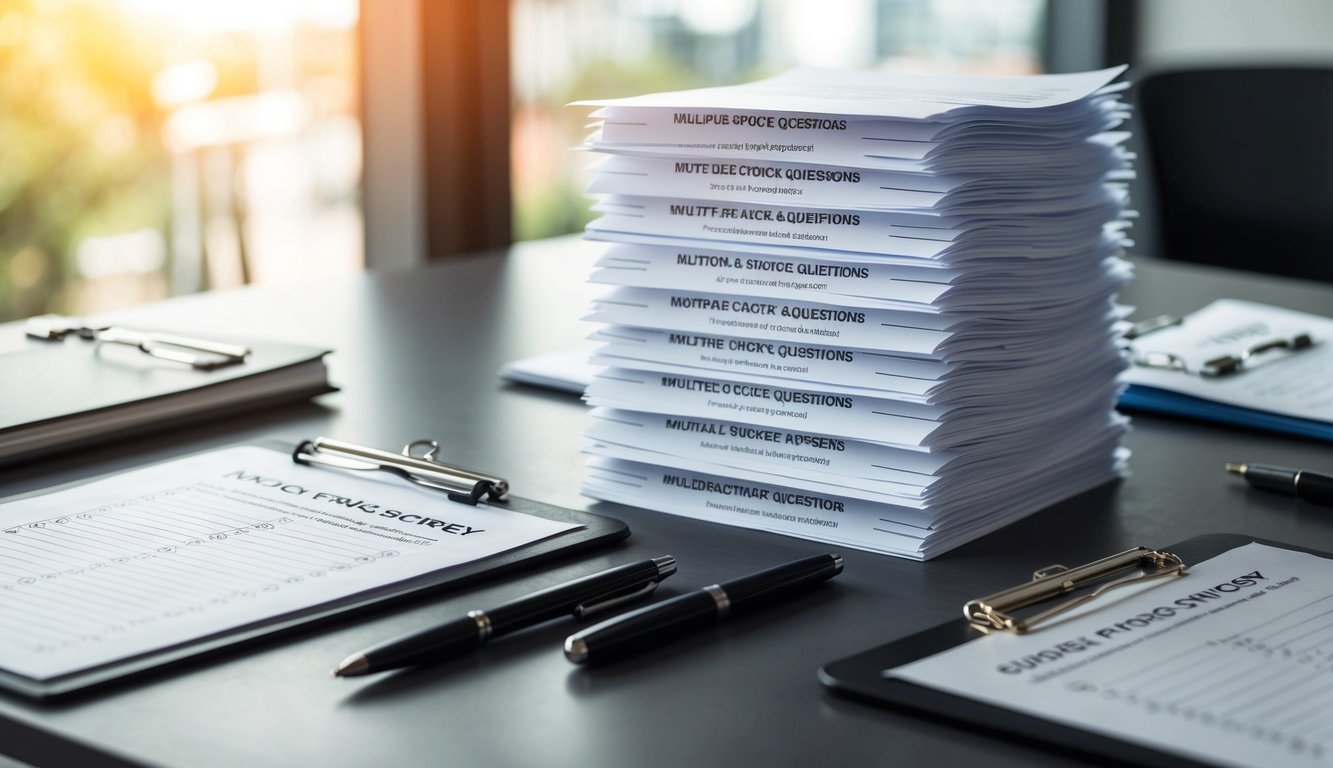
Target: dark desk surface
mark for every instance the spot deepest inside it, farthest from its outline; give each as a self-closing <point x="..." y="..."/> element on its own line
<point x="417" y="355"/>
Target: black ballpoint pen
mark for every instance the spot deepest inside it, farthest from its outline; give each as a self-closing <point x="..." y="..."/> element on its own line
<point x="579" y="597"/>
<point x="692" y="610"/>
<point x="1292" y="482"/>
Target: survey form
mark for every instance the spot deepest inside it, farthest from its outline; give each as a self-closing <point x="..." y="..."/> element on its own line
<point x="1229" y="664"/>
<point x="186" y="549"/>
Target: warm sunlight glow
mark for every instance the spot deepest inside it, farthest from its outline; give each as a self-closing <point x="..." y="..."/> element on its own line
<point x="247" y="15"/>
<point x="183" y="83"/>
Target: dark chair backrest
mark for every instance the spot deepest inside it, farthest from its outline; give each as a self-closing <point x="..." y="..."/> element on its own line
<point x="1242" y="160"/>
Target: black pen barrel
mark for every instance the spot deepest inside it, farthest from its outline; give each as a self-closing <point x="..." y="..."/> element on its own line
<point x="437" y="642"/>
<point x="761" y="588"/>
<point x="1310" y="486"/>
<point x="1313" y="487"/>
<point x="654" y="624"/>
<point x="649" y="625"/>
<point x="455" y="637"/>
<point x="1274" y="479"/>
<point x="561" y="600"/>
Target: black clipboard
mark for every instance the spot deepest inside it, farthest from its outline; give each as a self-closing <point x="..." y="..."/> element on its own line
<point x="859" y="677"/>
<point x="595" y="531"/>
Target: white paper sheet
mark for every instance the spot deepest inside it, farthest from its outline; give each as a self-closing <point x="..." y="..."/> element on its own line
<point x="843" y="282"/>
<point x="832" y="517"/>
<point x="765" y="361"/>
<point x="945" y="336"/>
<point x="1228" y="664"/>
<point x="880" y="94"/>
<point x="998" y="284"/>
<point x="846" y="188"/>
<point x="817" y="461"/>
<point x="920" y="236"/>
<point x="891" y="421"/>
<point x="177" y="551"/>
<point x="567" y="370"/>
<point x="908" y="425"/>
<point x="855" y="371"/>
<point x="906" y="234"/>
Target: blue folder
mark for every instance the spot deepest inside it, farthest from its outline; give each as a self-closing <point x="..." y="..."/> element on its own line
<point x="1145" y="398"/>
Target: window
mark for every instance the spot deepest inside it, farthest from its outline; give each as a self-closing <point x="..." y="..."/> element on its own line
<point x="154" y="147"/>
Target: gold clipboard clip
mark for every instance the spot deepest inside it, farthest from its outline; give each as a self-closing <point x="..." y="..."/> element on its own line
<point x="415" y="463"/>
<point x="995" y="612"/>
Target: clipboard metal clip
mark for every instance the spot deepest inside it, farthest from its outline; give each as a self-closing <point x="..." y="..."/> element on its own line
<point x="415" y="463"/>
<point x="1134" y="566"/>
<point x="200" y="354"/>
<point x="1222" y="365"/>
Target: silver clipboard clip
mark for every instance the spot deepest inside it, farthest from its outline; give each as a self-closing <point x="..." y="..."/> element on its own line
<point x="200" y="354"/>
<point x="1223" y="365"/>
<point x="415" y="463"/>
<point x="1133" y="566"/>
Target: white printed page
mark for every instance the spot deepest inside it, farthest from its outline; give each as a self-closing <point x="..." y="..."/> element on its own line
<point x="843" y="370"/>
<point x="1228" y="664"/>
<point x="1000" y="283"/>
<point x="170" y="553"/>
<point x="945" y="336"/>
<point x="828" y="515"/>
<point x="922" y="236"/>
<point x="946" y="239"/>
<point x="913" y="333"/>
<point x="776" y="183"/>
<point x="853" y="371"/>
<point x="907" y="425"/>
<point x="846" y="284"/>
<point x="769" y="182"/>
<point x="797" y="458"/>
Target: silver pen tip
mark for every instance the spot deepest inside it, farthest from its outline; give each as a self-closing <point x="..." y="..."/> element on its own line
<point x="352" y="666"/>
<point x="1237" y="469"/>
<point x="575" y="649"/>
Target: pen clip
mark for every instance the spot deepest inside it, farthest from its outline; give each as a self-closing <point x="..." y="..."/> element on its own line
<point x="459" y="484"/>
<point x="995" y="612"/>
<point x="615" y="598"/>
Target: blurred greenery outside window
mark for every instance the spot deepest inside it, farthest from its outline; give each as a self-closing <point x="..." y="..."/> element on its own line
<point x="156" y="147"/>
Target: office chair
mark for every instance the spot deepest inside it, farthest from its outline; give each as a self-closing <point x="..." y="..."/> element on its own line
<point x="1243" y="165"/>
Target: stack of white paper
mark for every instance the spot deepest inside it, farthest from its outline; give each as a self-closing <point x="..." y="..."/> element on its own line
<point x="870" y="309"/>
